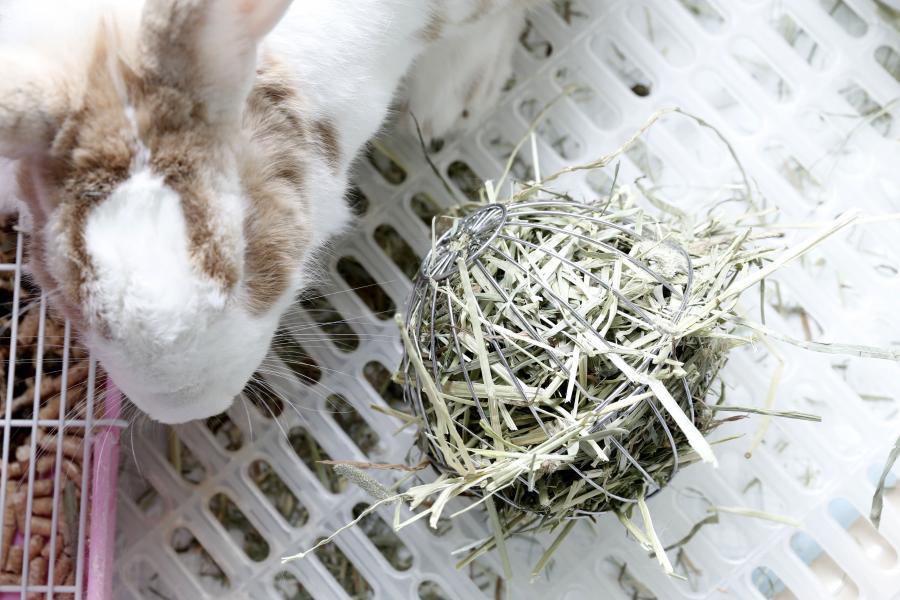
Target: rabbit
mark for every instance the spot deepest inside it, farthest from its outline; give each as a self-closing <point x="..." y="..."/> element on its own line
<point x="182" y="163"/>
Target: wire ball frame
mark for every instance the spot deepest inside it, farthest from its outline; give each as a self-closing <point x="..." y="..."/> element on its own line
<point x="479" y="236"/>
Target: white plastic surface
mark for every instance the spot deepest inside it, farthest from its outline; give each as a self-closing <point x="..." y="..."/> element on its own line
<point x="799" y="88"/>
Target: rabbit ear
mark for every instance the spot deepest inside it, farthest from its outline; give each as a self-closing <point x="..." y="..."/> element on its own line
<point x="32" y="104"/>
<point x="208" y="48"/>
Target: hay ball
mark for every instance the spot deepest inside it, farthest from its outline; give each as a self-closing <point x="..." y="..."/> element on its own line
<point x="560" y="354"/>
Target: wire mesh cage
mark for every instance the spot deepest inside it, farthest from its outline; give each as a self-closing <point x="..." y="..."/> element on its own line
<point x="521" y="261"/>
<point x="60" y="449"/>
<point x="806" y="93"/>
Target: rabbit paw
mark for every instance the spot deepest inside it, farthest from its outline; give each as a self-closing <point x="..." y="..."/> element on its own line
<point x="460" y="77"/>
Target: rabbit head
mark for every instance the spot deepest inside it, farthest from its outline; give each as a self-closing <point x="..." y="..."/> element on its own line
<point x="164" y="174"/>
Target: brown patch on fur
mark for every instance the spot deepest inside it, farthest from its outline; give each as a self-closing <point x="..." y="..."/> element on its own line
<point x="94" y="151"/>
<point x="327" y="136"/>
<point x="183" y="149"/>
<point x="481" y="9"/>
<point x="35" y="246"/>
<point x="89" y="157"/>
<point x="273" y="173"/>
<point x="437" y="22"/>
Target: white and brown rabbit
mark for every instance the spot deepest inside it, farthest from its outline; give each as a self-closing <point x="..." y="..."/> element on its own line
<point x="181" y="161"/>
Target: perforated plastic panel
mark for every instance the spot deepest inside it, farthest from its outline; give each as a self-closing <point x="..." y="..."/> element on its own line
<point x="807" y="93"/>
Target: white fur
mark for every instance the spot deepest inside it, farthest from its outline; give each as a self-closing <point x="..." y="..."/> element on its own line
<point x="481" y="55"/>
<point x="178" y="345"/>
<point x="146" y="287"/>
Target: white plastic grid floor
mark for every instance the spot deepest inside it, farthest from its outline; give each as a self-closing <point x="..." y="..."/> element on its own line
<point x="807" y="93"/>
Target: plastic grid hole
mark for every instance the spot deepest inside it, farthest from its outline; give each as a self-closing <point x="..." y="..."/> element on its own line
<point x="866" y="106"/>
<point x="183" y="460"/>
<point x="618" y="577"/>
<point x="386" y="164"/>
<point x="535" y="43"/>
<point x="397" y="249"/>
<point x="431" y="590"/>
<point x="769" y="585"/>
<point x="846" y="17"/>
<point x="311" y="453"/>
<point x="289" y="587"/>
<point x="727" y="537"/>
<point x="891" y="496"/>
<point x="873" y="474"/>
<point x="239" y="527"/>
<point x="697" y="142"/>
<point x="627" y="72"/>
<point x="357" y="200"/>
<point x="464" y="179"/>
<point x="658" y="34"/>
<point x="384" y="539"/>
<point x="646" y="162"/>
<point x="143" y="495"/>
<point x="835" y="148"/>
<point x="319" y="308"/>
<point x="148" y="582"/>
<point x="499" y="146"/>
<point x="782" y="298"/>
<point x="599" y="183"/>
<point x="792" y="171"/>
<point x="708" y="16"/>
<point x="381" y="380"/>
<point x="424" y="207"/>
<point x="198" y="561"/>
<point x="798" y="38"/>
<point x="264" y="398"/>
<point x="344" y="572"/>
<point x="278" y="494"/>
<point x="354" y="425"/>
<point x="592" y="104"/>
<point x="572" y="12"/>
<point x="831" y="576"/>
<point x="486" y="579"/>
<point x="564" y="143"/>
<point x="824" y="402"/>
<point x="795" y="460"/>
<point x="297" y="360"/>
<point x="710" y="86"/>
<point x="226" y="432"/>
<point x="877" y="550"/>
<point x="870" y="384"/>
<point x="369" y="291"/>
<point x="889" y="59"/>
<point x="754" y="492"/>
<point x="758" y="66"/>
<point x="695" y="576"/>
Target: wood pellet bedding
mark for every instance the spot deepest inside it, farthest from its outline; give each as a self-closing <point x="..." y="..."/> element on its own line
<point x="56" y="477"/>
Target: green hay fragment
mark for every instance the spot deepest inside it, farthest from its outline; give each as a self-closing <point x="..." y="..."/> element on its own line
<point x="551" y="549"/>
<point x="784" y="414"/>
<point x="756" y="514"/>
<point x="878" y="497"/>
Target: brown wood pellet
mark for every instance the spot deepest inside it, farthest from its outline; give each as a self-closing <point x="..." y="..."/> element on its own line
<point x="35" y="546"/>
<point x="37" y="551"/>
<point x="37" y="575"/>
<point x="14" y="560"/>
